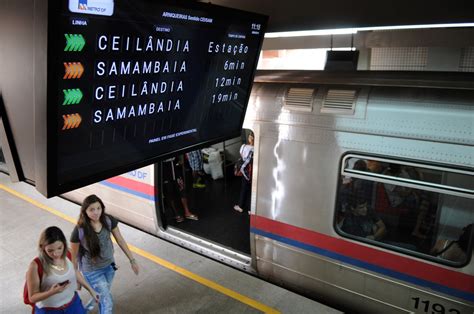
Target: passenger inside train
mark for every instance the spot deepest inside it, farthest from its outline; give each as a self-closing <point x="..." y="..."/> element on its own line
<point x="361" y="220"/>
<point x="245" y="172"/>
<point x="454" y="250"/>
<point x="405" y="207"/>
<point x="414" y="218"/>
<point x="175" y="190"/>
<point x="194" y="159"/>
<point x="208" y="191"/>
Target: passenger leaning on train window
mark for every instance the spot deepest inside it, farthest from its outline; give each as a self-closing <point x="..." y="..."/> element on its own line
<point x="92" y="249"/>
<point x="361" y="220"/>
<point x="456" y="250"/>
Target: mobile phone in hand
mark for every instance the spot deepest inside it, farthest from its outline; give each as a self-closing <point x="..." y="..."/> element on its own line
<point x="64" y="283"/>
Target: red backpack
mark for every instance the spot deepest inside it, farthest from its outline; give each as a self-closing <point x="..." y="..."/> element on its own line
<point x="26" y="297"/>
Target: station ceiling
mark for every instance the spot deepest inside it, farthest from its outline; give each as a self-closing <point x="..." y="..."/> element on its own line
<point x="315" y="14"/>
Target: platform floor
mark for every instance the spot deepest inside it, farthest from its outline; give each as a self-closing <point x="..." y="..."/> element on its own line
<point x="171" y="279"/>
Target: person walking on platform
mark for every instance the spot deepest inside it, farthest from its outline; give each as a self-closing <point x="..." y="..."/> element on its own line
<point x="93" y="251"/>
<point x="51" y="279"/>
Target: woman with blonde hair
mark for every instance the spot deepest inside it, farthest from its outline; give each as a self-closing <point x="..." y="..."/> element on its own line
<point x="55" y="291"/>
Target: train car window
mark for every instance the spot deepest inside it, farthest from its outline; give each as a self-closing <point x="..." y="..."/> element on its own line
<point x="418" y="209"/>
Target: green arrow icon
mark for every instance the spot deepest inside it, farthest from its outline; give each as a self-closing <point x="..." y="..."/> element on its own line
<point x="74" y="42"/>
<point x="72" y="96"/>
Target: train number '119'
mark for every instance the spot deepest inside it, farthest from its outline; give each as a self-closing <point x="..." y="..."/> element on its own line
<point x="432" y="308"/>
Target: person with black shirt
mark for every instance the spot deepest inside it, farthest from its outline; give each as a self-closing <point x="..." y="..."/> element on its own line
<point x="174" y="188"/>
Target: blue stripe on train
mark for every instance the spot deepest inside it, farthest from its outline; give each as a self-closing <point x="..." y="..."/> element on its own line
<point x="127" y="190"/>
<point x="352" y="261"/>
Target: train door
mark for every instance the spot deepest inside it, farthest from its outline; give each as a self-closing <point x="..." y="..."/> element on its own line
<point x="203" y="202"/>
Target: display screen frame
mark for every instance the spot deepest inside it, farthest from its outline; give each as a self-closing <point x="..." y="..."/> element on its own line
<point x="54" y="185"/>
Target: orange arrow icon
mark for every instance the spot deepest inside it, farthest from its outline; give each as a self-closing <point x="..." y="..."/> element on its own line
<point x="73" y="70"/>
<point x="71" y="121"/>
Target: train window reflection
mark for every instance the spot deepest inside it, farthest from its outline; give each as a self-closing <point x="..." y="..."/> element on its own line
<point x="386" y="211"/>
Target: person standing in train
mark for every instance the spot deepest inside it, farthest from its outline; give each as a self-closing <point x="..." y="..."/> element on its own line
<point x="93" y="251"/>
<point x="246" y="154"/>
<point x="55" y="290"/>
<point x="195" y="162"/>
<point x="174" y="187"/>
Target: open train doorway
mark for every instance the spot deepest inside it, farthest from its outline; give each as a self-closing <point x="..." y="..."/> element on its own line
<point x="203" y="196"/>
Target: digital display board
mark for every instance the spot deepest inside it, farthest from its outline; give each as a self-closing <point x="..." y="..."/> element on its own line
<point x="130" y="81"/>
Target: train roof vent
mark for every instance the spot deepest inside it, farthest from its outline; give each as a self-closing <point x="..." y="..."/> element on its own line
<point x="340" y="101"/>
<point x="299" y="99"/>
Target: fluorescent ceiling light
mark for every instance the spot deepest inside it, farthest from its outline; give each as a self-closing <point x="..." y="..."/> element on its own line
<point x="344" y="31"/>
<point x="321" y="32"/>
<point x="380" y="28"/>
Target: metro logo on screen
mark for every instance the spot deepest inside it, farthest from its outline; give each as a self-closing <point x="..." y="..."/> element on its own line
<point x="96" y="7"/>
<point x="82" y="5"/>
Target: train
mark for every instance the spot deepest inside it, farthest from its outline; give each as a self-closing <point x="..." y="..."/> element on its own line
<point x="362" y="182"/>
